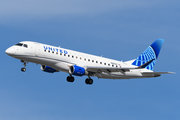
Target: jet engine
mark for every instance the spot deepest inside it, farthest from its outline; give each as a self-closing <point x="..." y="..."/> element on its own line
<point x="48" y="69"/>
<point x="77" y="70"/>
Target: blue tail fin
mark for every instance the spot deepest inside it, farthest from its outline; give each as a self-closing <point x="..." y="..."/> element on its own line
<point x="150" y="53"/>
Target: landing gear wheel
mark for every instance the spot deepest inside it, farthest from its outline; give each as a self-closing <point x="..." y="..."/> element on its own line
<point x="89" y="81"/>
<point x="23" y="69"/>
<point x="86" y="81"/>
<point x="70" y="79"/>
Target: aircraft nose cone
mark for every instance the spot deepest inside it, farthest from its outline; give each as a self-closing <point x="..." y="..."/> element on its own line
<point x="9" y="51"/>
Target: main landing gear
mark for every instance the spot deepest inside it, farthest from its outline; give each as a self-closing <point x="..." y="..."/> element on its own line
<point x="70" y="78"/>
<point x="88" y="81"/>
<point x="23" y="69"/>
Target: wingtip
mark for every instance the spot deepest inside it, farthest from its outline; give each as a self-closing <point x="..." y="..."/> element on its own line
<point x="171" y="73"/>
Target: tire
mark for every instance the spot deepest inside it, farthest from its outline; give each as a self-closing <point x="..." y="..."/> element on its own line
<point x="89" y="81"/>
<point x="70" y="79"/>
<point x="23" y="69"/>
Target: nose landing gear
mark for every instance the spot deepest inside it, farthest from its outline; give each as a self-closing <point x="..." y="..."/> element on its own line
<point x="23" y="69"/>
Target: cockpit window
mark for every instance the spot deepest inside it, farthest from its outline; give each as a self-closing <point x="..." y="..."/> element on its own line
<point x="25" y="45"/>
<point x="19" y="44"/>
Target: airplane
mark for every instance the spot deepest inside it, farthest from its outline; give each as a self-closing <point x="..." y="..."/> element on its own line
<point x="55" y="59"/>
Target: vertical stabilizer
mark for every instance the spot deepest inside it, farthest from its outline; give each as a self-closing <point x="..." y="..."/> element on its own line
<point x="151" y="53"/>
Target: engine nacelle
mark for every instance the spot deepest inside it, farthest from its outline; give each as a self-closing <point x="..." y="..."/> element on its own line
<point x="48" y="69"/>
<point x="76" y="70"/>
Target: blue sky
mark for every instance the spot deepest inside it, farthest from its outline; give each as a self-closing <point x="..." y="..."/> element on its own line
<point x="117" y="29"/>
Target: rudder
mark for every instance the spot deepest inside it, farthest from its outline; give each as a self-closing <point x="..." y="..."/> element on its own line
<point x="152" y="52"/>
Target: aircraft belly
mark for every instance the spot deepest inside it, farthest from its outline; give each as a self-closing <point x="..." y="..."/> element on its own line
<point x="61" y="66"/>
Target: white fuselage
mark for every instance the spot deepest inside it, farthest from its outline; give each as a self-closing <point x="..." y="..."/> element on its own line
<point x="60" y="59"/>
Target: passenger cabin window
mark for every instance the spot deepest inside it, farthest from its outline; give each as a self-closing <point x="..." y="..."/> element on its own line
<point x="68" y="55"/>
<point x="92" y="60"/>
<point x="96" y="61"/>
<point x="19" y="44"/>
<point x="52" y="51"/>
<point x="104" y="63"/>
<point x="72" y="56"/>
<point x="100" y="62"/>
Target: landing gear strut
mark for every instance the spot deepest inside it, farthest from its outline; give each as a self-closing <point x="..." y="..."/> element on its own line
<point x="70" y="78"/>
<point x="89" y="81"/>
<point x="23" y="69"/>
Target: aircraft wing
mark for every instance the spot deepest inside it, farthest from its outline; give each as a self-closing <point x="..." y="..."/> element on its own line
<point x="115" y="69"/>
<point x="156" y="73"/>
<point x="122" y="69"/>
<point x="108" y="69"/>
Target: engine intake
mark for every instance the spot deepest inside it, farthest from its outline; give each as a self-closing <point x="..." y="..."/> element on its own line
<point x="76" y="70"/>
<point x="48" y="69"/>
